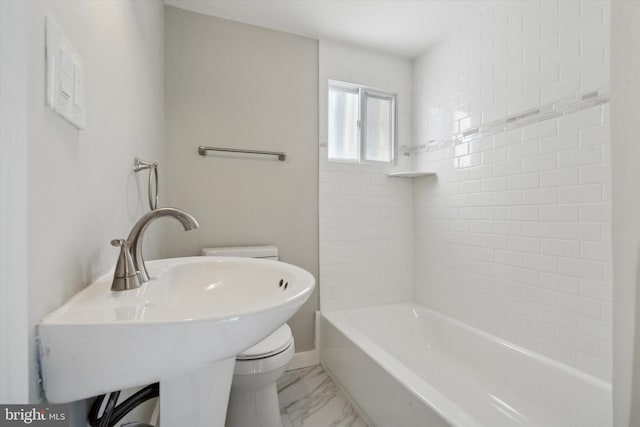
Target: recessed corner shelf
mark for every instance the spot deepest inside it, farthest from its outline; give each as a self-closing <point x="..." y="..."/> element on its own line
<point x="410" y="174"/>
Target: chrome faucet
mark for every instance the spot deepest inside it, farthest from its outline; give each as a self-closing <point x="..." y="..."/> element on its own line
<point x="137" y="233"/>
<point x="131" y="272"/>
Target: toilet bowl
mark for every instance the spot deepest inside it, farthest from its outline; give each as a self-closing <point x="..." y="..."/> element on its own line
<point x="254" y="395"/>
<point x="253" y="401"/>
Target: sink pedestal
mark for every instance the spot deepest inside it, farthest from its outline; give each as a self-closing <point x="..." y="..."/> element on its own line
<point x="198" y="398"/>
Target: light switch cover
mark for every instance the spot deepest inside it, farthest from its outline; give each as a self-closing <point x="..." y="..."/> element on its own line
<point x="65" y="76"/>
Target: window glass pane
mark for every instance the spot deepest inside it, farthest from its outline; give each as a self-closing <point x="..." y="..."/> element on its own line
<point x="378" y="128"/>
<point x="343" y="124"/>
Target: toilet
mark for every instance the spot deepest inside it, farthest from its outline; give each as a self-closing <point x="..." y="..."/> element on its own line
<point x="253" y="401"/>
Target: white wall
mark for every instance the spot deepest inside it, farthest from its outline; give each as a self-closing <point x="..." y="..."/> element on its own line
<point x="14" y="336"/>
<point x="625" y="91"/>
<point x="81" y="189"/>
<point x="235" y="85"/>
<point x="514" y="234"/>
<point x="366" y="218"/>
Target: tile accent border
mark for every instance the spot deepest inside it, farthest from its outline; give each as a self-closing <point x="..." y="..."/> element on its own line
<point x="563" y="107"/>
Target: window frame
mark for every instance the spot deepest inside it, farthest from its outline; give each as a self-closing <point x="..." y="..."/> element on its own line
<point x="365" y="92"/>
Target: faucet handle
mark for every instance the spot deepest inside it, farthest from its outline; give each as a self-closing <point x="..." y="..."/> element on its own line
<point x="125" y="275"/>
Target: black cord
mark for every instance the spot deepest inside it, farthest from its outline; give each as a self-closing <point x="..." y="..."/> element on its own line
<point x="108" y="410"/>
<point x="149" y="392"/>
<point x="113" y="414"/>
<point x="93" y="417"/>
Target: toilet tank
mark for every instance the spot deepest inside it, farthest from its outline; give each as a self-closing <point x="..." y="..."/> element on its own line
<point x="264" y="252"/>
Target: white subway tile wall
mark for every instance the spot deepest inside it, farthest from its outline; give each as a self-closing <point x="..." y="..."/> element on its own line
<point x="517" y="239"/>
<point x="366" y="218"/>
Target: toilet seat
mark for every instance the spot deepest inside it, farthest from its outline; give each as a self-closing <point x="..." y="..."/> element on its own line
<point x="275" y="343"/>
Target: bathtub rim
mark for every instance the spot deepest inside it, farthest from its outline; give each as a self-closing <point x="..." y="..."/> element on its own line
<point x="438" y="402"/>
<point x="418" y="386"/>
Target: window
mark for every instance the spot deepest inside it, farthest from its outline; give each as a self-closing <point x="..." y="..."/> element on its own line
<point x="362" y="124"/>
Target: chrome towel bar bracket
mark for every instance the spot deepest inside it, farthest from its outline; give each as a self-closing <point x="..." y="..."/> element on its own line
<point x="202" y="151"/>
<point x="140" y="165"/>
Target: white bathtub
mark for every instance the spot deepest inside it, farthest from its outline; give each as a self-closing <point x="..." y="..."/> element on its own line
<point x="406" y="366"/>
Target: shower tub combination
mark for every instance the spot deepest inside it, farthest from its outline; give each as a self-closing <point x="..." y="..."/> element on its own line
<point x="405" y="365"/>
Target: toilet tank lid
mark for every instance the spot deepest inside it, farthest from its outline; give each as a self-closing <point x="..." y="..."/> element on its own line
<point x="242" y="251"/>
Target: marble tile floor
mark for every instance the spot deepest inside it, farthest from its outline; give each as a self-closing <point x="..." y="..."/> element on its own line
<point x="309" y="398"/>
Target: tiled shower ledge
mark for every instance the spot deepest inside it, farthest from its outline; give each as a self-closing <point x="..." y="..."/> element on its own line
<point x="410" y="174"/>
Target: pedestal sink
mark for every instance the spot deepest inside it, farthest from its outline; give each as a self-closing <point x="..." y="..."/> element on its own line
<point x="183" y="328"/>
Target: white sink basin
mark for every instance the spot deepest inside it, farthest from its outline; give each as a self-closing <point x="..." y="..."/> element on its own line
<point x="194" y="311"/>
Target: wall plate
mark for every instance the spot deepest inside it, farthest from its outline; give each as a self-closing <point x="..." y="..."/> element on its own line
<point x="65" y="76"/>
